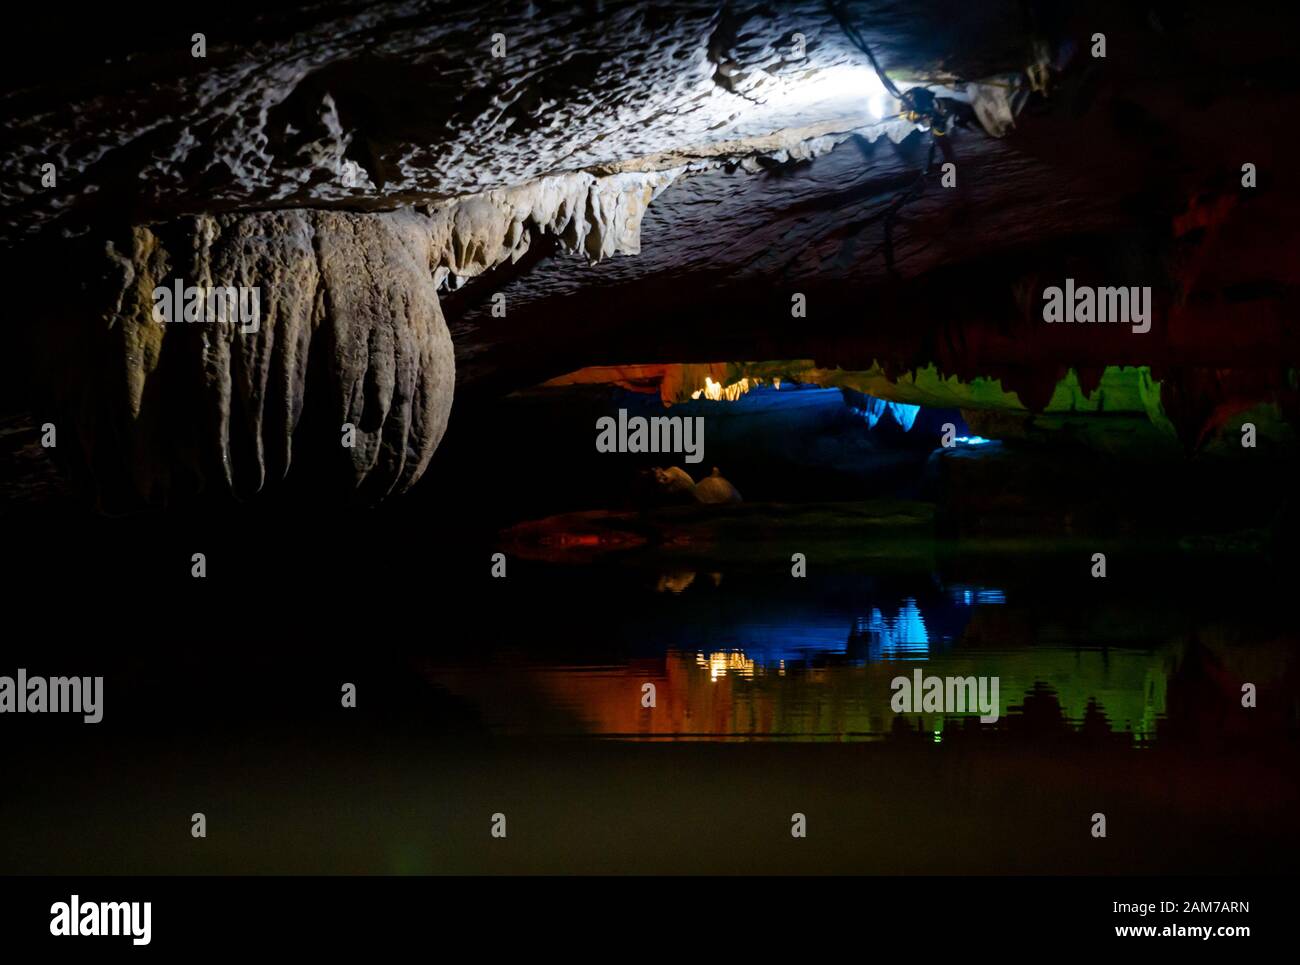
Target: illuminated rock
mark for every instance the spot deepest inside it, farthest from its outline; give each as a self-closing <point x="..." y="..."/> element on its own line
<point x="351" y="347"/>
<point x="715" y="489"/>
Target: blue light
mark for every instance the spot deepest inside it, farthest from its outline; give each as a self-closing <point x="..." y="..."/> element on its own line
<point x="976" y="595"/>
<point x="903" y="414"/>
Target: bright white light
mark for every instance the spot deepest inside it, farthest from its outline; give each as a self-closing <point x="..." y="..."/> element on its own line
<point x="855" y="87"/>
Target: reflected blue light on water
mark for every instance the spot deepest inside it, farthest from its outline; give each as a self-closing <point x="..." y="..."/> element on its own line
<point x="976" y="596"/>
<point x="901" y="637"/>
<point x="906" y="630"/>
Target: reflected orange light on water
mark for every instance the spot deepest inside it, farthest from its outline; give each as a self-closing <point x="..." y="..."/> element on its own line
<point x="720" y="664"/>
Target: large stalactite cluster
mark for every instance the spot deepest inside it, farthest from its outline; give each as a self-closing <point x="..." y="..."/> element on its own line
<point x="350" y="341"/>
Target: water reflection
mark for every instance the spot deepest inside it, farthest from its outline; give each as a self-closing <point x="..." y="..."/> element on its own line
<point x="900" y="637"/>
<point x="768" y="669"/>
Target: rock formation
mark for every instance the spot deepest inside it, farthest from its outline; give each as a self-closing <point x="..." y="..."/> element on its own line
<point x="537" y="191"/>
<point x="713" y="489"/>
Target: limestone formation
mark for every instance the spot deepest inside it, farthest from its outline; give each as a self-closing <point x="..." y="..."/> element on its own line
<point x="350" y="356"/>
<point x="714" y="489"/>
<point x="350" y="368"/>
<point x="674" y="484"/>
<point x="367" y="169"/>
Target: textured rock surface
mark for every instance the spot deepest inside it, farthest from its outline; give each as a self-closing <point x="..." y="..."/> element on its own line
<point x="673" y="485"/>
<point x="313" y="144"/>
<point x="382" y="104"/>
<point x="713" y="489"/>
<point x="596" y="218"/>
<point x="350" y="326"/>
<point x="350" y="332"/>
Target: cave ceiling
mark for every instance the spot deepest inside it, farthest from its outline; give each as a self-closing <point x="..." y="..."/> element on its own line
<point x="653" y="182"/>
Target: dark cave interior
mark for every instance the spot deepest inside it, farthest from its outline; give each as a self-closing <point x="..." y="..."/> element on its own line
<point x="662" y="212"/>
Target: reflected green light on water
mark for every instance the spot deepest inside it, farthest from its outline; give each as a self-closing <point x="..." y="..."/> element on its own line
<point x="805" y="693"/>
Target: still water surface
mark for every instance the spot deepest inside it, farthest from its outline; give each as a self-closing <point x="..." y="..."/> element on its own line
<point x="751" y="659"/>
